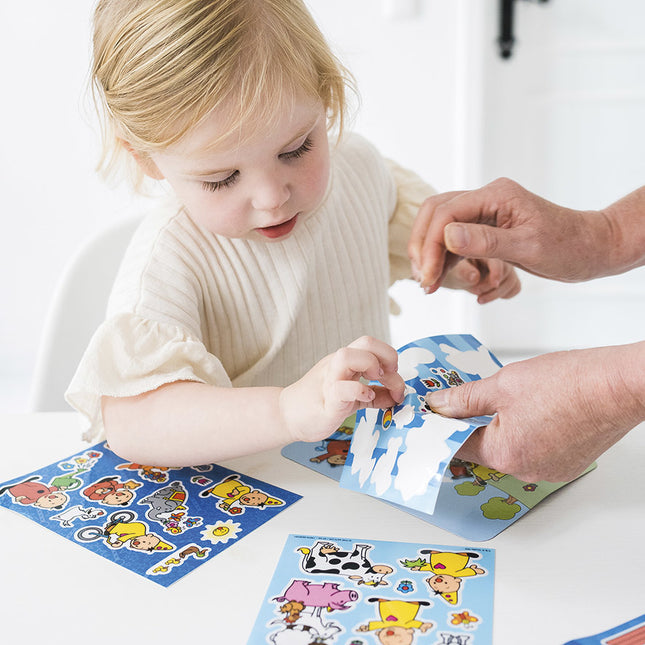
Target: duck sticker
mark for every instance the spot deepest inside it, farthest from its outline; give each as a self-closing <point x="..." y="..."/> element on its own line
<point x="448" y="571"/>
<point x="236" y="496"/>
<point x="312" y="598"/>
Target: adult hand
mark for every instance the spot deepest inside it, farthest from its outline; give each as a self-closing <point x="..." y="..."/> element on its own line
<point x="335" y="388"/>
<point x="487" y="279"/>
<point x="505" y="221"/>
<point x="555" y="413"/>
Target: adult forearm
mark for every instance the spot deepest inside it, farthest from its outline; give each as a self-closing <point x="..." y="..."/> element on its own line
<point x="503" y="220"/>
<point x="629" y="386"/>
<point x="187" y="423"/>
<point x="624" y="246"/>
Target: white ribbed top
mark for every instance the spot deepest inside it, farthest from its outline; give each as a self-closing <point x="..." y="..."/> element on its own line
<point x="190" y="305"/>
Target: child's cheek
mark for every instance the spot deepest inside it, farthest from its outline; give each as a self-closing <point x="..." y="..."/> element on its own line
<point x="318" y="179"/>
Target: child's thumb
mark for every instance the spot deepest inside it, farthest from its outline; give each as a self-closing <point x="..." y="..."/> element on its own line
<point x="468" y="400"/>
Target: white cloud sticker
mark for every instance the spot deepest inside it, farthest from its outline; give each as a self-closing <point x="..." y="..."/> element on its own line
<point x="472" y="362"/>
<point x="364" y="441"/>
<point x="382" y="473"/>
<point x="425" y="449"/>
<point x="410" y="358"/>
<point x="404" y="416"/>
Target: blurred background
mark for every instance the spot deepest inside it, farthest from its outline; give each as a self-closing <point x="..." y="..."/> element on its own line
<point x="563" y="114"/>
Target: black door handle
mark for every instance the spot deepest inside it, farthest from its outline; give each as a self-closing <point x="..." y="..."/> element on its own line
<point x="506" y="39"/>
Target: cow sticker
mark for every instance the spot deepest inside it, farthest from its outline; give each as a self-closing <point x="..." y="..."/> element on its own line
<point x="341" y="591"/>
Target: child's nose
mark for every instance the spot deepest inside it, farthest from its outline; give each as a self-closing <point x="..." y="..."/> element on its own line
<point x="270" y="194"/>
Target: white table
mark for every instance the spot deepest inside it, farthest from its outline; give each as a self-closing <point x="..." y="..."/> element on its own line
<point x="573" y="566"/>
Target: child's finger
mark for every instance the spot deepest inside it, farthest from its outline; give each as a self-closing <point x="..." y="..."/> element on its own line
<point x="344" y="394"/>
<point x="349" y="364"/>
<point x="372" y="359"/>
<point x="385" y="354"/>
<point x="384" y="398"/>
<point x="394" y="385"/>
<point x="509" y="288"/>
<point x="388" y="360"/>
<point x="464" y="275"/>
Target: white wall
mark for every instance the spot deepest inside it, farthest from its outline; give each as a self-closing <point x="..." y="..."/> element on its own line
<point x="51" y="200"/>
<point x="564" y="116"/>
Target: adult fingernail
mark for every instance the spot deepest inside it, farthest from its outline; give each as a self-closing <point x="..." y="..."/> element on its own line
<point x="430" y="287"/>
<point x="456" y="236"/>
<point x="416" y="274"/>
<point x="472" y="277"/>
<point x="437" y="400"/>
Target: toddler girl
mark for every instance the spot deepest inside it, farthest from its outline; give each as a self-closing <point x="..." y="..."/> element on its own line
<point x="278" y="247"/>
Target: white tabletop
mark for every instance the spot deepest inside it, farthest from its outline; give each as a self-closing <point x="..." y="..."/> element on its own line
<point x="573" y="566"/>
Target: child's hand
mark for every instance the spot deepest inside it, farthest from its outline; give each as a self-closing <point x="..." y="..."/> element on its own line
<point x="487" y="279"/>
<point x="316" y="405"/>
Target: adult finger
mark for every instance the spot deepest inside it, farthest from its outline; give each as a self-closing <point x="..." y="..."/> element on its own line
<point x="468" y="400"/>
<point x="484" y="241"/>
<point x="421" y="224"/>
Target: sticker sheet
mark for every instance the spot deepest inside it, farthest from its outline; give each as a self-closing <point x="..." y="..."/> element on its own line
<point x="158" y="522"/>
<point x="405" y="455"/>
<point x="338" y="591"/>
<point x="629" y="633"/>
<point x="400" y="454"/>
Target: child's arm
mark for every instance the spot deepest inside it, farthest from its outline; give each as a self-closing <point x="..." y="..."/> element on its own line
<point x="187" y="423"/>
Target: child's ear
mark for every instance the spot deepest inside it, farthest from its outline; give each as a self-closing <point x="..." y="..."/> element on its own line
<point x="146" y="164"/>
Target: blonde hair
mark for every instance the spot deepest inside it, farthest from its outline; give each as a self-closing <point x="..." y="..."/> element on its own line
<point x="161" y="66"/>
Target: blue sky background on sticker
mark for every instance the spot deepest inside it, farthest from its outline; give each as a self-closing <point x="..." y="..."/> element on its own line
<point x="404" y="461"/>
<point x="475" y="594"/>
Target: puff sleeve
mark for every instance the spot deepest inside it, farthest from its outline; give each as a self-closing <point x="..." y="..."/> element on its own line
<point x="129" y="355"/>
<point x="411" y="191"/>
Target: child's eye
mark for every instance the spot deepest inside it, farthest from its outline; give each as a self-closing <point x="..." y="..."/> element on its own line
<point x="224" y="183"/>
<point x="306" y="146"/>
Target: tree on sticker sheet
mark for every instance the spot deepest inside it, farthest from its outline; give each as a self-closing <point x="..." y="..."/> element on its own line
<point x="469" y="488"/>
<point x="527" y="493"/>
<point x="500" y="508"/>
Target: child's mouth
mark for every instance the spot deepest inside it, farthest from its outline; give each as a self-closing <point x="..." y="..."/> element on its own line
<point x="279" y="230"/>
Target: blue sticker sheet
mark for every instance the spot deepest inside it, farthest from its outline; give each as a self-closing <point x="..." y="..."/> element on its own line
<point x="630" y="633"/>
<point x="158" y="522"/>
<point x="363" y="592"/>
<point x="400" y="454"/>
<point x="405" y="455"/>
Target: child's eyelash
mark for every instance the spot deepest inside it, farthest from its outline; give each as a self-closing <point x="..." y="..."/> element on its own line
<point x="217" y="185"/>
<point x="306" y="146"/>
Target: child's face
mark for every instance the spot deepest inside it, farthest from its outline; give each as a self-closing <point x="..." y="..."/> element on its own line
<point x="258" y="189"/>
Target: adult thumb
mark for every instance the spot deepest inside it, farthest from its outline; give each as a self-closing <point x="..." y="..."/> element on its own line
<point x="469" y="400"/>
<point x="480" y="241"/>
